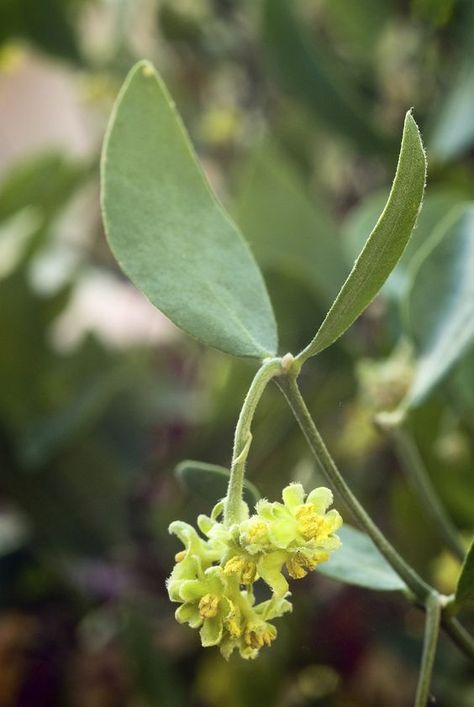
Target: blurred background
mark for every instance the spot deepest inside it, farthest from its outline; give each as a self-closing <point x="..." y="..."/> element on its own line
<point x="296" y="110"/>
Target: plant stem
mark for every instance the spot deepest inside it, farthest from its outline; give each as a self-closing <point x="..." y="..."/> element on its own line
<point x="418" y="476"/>
<point x="459" y="635"/>
<point x="430" y="642"/>
<point x="243" y="438"/>
<point x="292" y="393"/>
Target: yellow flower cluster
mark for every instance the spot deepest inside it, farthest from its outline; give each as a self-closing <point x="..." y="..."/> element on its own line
<point x="214" y="575"/>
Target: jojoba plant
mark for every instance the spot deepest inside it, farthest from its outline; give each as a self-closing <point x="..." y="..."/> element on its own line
<point x="175" y="241"/>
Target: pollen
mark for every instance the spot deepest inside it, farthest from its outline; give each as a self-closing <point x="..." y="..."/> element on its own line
<point x="232" y="623"/>
<point x="249" y="572"/>
<point x="208" y="606"/>
<point x="258" y="637"/>
<point x="296" y="566"/>
<point x="246" y="569"/>
<point x="308" y="521"/>
<point x="235" y="565"/>
<point x="257" y="532"/>
<point x="179" y="557"/>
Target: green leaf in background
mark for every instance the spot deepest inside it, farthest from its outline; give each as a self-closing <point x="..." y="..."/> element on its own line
<point x="287" y="231"/>
<point x="438" y="12"/>
<point x="439" y="309"/>
<point x="50" y="434"/>
<point x="153" y="672"/>
<point x="209" y="481"/>
<point x="311" y="73"/>
<point x="453" y="128"/>
<point x="357" y="24"/>
<point x="462" y="387"/>
<point x="43" y="181"/>
<point x="359" y="562"/>
<point x="465" y="587"/>
<point x="384" y="246"/>
<point x="48" y="24"/>
<point x="168" y="231"/>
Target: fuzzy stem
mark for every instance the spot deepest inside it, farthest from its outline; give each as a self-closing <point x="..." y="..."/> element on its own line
<point x="459" y="635"/>
<point x="418" y="476"/>
<point x="430" y="642"/>
<point x="243" y="439"/>
<point x="292" y="393"/>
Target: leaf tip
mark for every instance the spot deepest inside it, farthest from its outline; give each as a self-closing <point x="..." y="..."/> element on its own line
<point x="147" y="68"/>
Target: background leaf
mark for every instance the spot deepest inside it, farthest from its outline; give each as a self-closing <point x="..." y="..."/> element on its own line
<point x="359" y="562"/>
<point x="453" y="127"/>
<point x="152" y="671"/>
<point x="170" y="234"/>
<point x="288" y="232"/>
<point x="384" y="246"/>
<point x="209" y="481"/>
<point x="439" y="309"/>
<point x="317" y="78"/>
<point x="465" y="587"/>
<point x="48" y="25"/>
<point x="44" y="181"/>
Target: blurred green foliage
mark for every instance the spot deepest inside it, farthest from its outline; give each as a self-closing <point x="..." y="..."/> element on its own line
<point x="296" y="109"/>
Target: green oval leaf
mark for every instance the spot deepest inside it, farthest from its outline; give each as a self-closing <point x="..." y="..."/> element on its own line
<point x="169" y="233"/>
<point x="384" y="246"/>
<point x="439" y="310"/>
<point x="465" y="586"/>
<point x="210" y="481"/>
<point x="359" y="562"/>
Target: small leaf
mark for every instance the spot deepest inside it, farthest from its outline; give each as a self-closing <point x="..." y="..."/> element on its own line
<point x="465" y="587"/>
<point x="439" y="310"/>
<point x="209" y="481"/>
<point x="384" y="246"/>
<point x="359" y="562"/>
<point x="169" y="233"/>
<point x="288" y="232"/>
<point x="363" y="218"/>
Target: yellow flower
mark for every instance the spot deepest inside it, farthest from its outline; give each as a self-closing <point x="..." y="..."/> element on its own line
<point x="246" y="570"/>
<point x="213" y="577"/>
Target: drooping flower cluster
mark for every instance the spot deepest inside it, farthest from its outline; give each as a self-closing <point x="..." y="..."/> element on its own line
<point x="214" y="576"/>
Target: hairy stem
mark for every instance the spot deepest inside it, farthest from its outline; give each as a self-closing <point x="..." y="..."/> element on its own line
<point x="418" y="476"/>
<point x="243" y="439"/>
<point x="459" y="635"/>
<point x="430" y="642"/>
<point x="292" y="393"/>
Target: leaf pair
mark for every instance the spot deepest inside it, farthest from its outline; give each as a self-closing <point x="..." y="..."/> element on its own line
<point x="174" y="240"/>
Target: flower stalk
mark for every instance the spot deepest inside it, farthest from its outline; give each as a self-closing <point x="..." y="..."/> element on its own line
<point x="418" y="476"/>
<point x="430" y="642"/>
<point x="243" y="439"/>
<point x="327" y="465"/>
